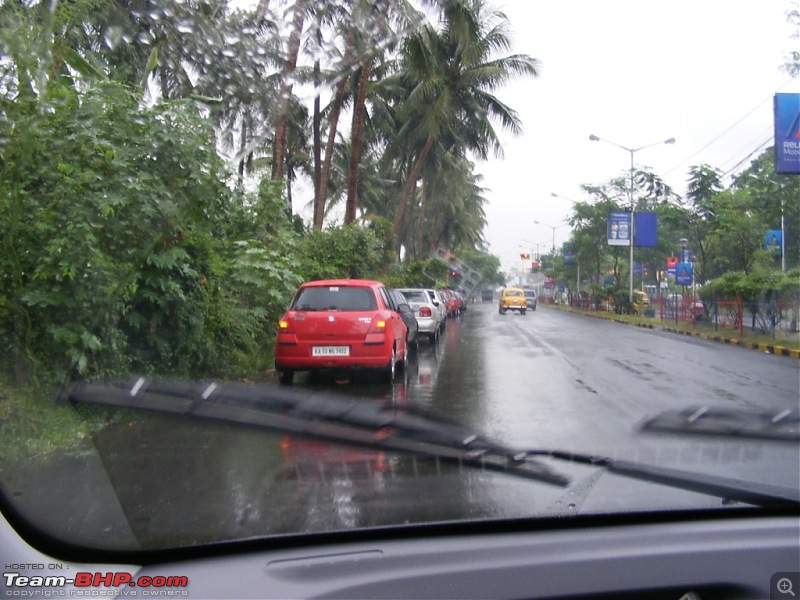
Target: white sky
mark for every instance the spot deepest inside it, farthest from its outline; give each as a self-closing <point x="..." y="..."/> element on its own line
<point x="634" y="72"/>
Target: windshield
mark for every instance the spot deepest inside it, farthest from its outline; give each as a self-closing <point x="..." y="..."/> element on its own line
<point x="335" y="298"/>
<point x="415" y="296"/>
<point x="177" y="177"/>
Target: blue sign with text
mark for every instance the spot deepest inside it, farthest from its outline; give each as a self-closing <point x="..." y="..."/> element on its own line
<point x="683" y="274"/>
<point x="619" y="229"/>
<point x="787" y="133"/>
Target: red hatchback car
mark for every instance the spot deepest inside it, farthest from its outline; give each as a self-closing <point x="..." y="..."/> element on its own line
<point x="340" y="323"/>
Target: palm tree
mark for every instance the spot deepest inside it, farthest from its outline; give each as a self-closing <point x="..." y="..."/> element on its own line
<point x="456" y="201"/>
<point x="282" y="118"/>
<point x="452" y="74"/>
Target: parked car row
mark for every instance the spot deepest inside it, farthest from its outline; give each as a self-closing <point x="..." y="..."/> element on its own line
<point x="356" y="323"/>
<point x="454" y="301"/>
<point x="429" y="309"/>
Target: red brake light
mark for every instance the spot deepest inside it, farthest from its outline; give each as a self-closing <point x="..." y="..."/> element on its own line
<point x="425" y="311"/>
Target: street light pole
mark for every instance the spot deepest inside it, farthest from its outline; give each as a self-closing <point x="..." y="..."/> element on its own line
<point x="554" y="233"/>
<point x="632" y="151"/>
<point x="577" y="257"/>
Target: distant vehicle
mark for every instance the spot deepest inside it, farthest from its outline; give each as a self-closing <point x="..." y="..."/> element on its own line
<point x="512" y="299"/>
<point x="428" y="316"/>
<point x="461" y="302"/>
<point x="340" y="323"/>
<point x="487" y="295"/>
<point x="451" y="302"/>
<point x="530" y="299"/>
<point x="439" y="303"/>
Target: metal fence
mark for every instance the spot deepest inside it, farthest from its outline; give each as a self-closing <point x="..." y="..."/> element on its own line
<point x="768" y="315"/>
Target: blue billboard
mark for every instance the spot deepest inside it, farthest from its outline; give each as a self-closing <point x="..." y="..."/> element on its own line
<point x="787" y="133"/>
<point x="683" y="274"/>
<point x="772" y="241"/>
<point x="569" y="254"/>
<point x="644" y="230"/>
<point x="619" y="229"/>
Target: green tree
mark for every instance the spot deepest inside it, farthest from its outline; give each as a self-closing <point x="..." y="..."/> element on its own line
<point x="451" y="74"/>
<point x="704" y="184"/>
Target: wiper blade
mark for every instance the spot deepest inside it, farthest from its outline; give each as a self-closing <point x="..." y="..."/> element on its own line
<point x="755" y="493"/>
<point x="772" y="425"/>
<point x="403" y="429"/>
<point x="320" y="416"/>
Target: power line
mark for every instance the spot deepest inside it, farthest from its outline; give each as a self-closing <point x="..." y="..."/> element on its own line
<point x="723" y="166"/>
<point x="731" y="127"/>
<point x="734" y="168"/>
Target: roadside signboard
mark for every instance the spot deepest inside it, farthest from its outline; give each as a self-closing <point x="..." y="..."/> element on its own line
<point x="683" y="274"/>
<point x="619" y="229"/>
<point x="787" y="133"/>
<point x="773" y="242"/>
<point x="644" y="230"/>
<point x="672" y="265"/>
<point x="569" y="254"/>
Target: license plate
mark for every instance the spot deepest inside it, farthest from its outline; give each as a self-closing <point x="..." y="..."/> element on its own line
<point x="330" y="351"/>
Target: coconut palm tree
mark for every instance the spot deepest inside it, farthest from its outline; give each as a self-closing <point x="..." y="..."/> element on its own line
<point x="452" y="74"/>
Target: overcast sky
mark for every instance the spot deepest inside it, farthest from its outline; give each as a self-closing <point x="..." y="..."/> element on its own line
<point x="634" y="72"/>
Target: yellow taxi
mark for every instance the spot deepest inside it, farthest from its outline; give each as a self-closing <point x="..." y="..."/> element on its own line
<point x="512" y="299"/>
<point x="641" y="302"/>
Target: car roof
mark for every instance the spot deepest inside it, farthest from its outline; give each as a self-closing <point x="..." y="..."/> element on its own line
<point x="343" y="282"/>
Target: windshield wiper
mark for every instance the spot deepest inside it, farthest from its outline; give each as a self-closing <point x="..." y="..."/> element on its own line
<point x="773" y="425"/>
<point x="385" y="427"/>
<point x="320" y="416"/>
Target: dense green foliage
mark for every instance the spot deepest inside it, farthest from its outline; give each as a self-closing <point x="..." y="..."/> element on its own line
<point x="122" y="246"/>
<point x="129" y="246"/>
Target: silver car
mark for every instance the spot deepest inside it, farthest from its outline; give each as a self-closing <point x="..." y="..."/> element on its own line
<point x="428" y="310"/>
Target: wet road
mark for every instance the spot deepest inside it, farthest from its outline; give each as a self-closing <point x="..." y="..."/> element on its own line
<point x="544" y="380"/>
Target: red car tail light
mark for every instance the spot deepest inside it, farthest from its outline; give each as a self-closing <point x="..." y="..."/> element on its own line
<point x="425" y="312"/>
<point x="285" y="326"/>
<point x="377" y="332"/>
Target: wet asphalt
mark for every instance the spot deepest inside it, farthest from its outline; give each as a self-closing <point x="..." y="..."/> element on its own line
<point x="544" y="380"/>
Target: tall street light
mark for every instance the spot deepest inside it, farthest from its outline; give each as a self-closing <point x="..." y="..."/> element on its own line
<point x="554" y="232"/>
<point x="577" y="258"/>
<point x="632" y="151"/>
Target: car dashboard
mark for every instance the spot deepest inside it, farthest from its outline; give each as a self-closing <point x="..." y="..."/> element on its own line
<point x="735" y="553"/>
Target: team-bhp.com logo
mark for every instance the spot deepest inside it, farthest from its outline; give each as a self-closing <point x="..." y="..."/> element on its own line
<point x="95" y="584"/>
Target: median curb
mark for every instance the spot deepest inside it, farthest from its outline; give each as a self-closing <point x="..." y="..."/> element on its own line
<point x="767" y="348"/>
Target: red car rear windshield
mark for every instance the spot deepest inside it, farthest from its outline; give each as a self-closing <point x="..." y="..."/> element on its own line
<point x="335" y="298"/>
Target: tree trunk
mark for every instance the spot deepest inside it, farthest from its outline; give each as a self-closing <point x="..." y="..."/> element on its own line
<point x="242" y="151"/>
<point x="411" y="184"/>
<point x="359" y="110"/>
<point x="322" y="193"/>
<point x="282" y="118"/>
<point x="317" y="124"/>
<point x="261" y="9"/>
<point x="420" y="225"/>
